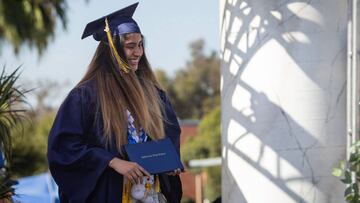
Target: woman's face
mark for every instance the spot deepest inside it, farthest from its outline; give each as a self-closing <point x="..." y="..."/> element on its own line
<point x="133" y="49"/>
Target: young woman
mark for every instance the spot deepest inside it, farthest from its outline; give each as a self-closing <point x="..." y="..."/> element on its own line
<point x="117" y="102"/>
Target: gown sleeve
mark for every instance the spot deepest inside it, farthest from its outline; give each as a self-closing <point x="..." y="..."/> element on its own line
<point x="75" y="163"/>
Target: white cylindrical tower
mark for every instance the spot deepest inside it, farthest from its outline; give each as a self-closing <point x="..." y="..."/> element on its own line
<point x="283" y="69"/>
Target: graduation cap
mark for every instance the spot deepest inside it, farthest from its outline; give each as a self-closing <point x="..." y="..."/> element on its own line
<point x="117" y="23"/>
<point x="120" y="22"/>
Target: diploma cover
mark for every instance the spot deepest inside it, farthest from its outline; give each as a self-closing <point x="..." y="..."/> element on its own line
<point x="155" y="157"/>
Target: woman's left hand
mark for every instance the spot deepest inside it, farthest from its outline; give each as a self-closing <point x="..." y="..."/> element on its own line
<point x="175" y="172"/>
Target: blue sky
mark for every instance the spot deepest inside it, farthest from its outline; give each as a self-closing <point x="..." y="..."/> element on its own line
<point x="168" y="26"/>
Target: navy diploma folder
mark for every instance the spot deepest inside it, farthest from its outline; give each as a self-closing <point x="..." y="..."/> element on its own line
<point x="155" y="156"/>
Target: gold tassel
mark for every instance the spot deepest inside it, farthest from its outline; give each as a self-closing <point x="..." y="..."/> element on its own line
<point x="122" y="64"/>
<point x="126" y="197"/>
<point x="157" y="183"/>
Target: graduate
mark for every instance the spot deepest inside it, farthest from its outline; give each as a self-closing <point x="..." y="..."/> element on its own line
<point x="118" y="101"/>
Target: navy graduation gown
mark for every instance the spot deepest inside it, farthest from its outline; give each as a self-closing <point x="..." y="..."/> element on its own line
<point x="78" y="160"/>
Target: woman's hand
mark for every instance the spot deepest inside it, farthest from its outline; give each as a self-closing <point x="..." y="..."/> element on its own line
<point x="131" y="170"/>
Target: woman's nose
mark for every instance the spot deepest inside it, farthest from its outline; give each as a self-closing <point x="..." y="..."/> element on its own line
<point x="138" y="51"/>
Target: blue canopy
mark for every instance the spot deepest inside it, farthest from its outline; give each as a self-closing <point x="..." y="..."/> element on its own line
<point x="36" y="189"/>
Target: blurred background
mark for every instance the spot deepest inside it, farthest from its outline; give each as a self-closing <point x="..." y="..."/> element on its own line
<point x="40" y="44"/>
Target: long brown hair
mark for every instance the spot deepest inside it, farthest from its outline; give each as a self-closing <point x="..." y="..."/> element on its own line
<point x="119" y="91"/>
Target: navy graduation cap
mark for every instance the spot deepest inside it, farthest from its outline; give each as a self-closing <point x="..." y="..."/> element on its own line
<point x="114" y="24"/>
<point x="119" y="22"/>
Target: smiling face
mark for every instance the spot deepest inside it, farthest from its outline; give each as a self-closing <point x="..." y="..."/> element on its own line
<point x="133" y="49"/>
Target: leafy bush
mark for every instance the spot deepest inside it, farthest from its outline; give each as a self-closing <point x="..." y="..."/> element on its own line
<point x="350" y="174"/>
<point x="11" y="115"/>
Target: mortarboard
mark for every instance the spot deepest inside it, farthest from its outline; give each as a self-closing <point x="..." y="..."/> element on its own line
<point x="120" y="22"/>
<point x="116" y="23"/>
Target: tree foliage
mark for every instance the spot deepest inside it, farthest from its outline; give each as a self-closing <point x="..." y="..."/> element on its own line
<point x="195" y="90"/>
<point x="206" y="144"/>
<point x="349" y="174"/>
<point x="29" y="150"/>
<point x="195" y="93"/>
<point x="30" y="22"/>
<point x="207" y="141"/>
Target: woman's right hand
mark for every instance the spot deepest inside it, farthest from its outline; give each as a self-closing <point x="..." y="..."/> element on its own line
<point x="131" y="170"/>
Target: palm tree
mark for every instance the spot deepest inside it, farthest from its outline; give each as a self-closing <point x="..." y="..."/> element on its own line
<point x="30" y="22"/>
<point x="11" y="113"/>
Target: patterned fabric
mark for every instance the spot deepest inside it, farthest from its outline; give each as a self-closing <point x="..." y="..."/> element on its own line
<point x="133" y="135"/>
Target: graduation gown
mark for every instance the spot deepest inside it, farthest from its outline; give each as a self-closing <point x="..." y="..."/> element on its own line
<point x="78" y="160"/>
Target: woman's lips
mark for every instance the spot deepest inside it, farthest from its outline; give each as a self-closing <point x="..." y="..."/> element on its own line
<point x="133" y="61"/>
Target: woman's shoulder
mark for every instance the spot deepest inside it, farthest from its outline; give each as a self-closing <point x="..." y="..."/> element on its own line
<point x="88" y="85"/>
<point x="84" y="91"/>
<point x="161" y="93"/>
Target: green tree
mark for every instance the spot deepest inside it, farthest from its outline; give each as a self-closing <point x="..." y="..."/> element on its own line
<point x="206" y="144"/>
<point x="167" y="84"/>
<point x="207" y="141"/>
<point x="197" y="87"/>
<point x="30" y="22"/>
<point x="195" y="93"/>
